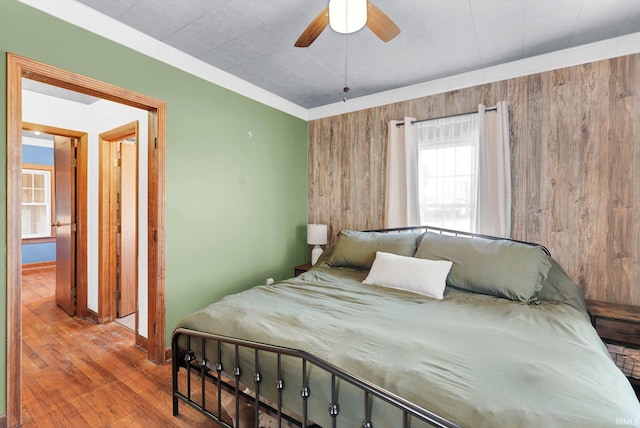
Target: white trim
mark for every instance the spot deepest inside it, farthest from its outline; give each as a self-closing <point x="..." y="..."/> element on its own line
<point x="605" y="49"/>
<point x="80" y="15"/>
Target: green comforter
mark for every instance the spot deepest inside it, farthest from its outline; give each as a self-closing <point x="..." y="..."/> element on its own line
<point x="477" y="360"/>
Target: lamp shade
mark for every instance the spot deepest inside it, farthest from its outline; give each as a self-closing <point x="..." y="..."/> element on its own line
<point x="316" y="234"/>
<point x="347" y="16"/>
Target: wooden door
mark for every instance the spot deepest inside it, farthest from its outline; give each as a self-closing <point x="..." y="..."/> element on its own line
<point x="118" y="238"/>
<point x="65" y="222"/>
<point x="107" y="229"/>
<point x="128" y="217"/>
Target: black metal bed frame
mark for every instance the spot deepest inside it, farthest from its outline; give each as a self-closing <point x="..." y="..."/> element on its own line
<point x="451" y="232"/>
<point x="210" y="368"/>
<point x="200" y="368"/>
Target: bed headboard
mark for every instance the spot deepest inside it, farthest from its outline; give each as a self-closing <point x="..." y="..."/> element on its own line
<point x="452" y="232"/>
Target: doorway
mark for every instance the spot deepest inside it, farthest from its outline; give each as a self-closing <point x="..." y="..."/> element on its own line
<point x="17" y="68"/>
<point x="118" y="208"/>
<point x="70" y="222"/>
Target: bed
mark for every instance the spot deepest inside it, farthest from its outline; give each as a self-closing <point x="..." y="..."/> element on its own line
<point x="411" y="327"/>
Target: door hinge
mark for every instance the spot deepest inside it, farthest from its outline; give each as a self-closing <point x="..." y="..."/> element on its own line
<point x="74" y="163"/>
<point x="74" y="292"/>
<point x="155" y="143"/>
<point x="117" y="295"/>
<point x="155" y="235"/>
<point x="74" y="228"/>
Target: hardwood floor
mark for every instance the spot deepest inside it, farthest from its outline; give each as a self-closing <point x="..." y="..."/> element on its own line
<point x="77" y="373"/>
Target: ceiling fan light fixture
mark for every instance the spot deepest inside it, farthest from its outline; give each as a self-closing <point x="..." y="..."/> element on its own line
<point x="347" y="16"/>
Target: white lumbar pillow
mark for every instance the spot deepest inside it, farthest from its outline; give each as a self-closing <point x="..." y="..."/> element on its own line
<point x="423" y="276"/>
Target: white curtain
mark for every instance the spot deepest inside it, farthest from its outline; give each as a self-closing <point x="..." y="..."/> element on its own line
<point x="493" y="196"/>
<point x="494" y="177"/>
<point x="401" y="203"/>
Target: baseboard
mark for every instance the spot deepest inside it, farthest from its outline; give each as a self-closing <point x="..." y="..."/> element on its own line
<point x="92" y="316"/>
<point x="3" y="421"/>
<point x="141" y="342"/>
<point x="51" y="263"/>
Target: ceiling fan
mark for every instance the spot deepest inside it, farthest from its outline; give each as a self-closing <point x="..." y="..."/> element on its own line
<point x="348" y="16"/>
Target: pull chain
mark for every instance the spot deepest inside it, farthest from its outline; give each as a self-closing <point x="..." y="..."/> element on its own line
<point x="346" y="88"/>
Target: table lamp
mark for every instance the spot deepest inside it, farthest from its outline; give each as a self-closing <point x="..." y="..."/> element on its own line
<point x="316" y="236"/>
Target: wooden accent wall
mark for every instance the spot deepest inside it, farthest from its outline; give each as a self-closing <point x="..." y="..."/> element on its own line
<point x="575" y="161"/>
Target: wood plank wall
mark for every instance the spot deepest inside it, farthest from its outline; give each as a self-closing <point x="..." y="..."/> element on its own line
<point x="575" y="160"/>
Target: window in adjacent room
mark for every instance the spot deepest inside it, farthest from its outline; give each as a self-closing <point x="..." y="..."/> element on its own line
<point x="447" y="171"/>
<point x="37" y="204"/>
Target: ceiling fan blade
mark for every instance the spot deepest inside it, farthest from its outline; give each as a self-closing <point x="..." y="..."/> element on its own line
<point x="380" y="24"/>
<point x="314" y="29"/>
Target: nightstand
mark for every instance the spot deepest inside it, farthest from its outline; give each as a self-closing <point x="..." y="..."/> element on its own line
<point x="302" y="268"/>
<point x="617" y="324"/>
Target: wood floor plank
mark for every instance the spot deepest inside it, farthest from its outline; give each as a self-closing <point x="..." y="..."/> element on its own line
<point x="77" y="373"/>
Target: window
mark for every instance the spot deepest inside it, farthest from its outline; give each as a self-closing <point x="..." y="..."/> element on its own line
<point x="37" y="207"/>
<point x="447" y="171"/>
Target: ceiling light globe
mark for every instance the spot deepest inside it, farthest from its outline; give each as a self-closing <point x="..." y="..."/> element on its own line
<point x="347" y="16"/>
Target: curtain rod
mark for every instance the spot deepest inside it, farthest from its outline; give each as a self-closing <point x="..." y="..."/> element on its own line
<point x="445" y="117"/>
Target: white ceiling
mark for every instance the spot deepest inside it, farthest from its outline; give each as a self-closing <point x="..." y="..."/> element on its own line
<point x="54" y="91"/>
<point x="253" y="39"/>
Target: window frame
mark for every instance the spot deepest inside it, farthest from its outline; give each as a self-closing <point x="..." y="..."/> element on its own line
<point x="52" y="187"/>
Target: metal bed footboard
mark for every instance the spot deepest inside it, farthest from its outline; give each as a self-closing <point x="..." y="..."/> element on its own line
<point x="210" y="367"/>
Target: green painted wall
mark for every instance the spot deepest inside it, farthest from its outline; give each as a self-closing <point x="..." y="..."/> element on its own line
<point x="236" y="169"/>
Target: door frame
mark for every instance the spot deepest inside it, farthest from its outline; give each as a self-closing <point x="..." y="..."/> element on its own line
<point x="107" y="301"/>
<point x="81" y="207"/>
<point x="19" y="67"/>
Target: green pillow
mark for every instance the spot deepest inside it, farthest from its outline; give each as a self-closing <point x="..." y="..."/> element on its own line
<point x="560" y="288"/>
<point x="500" y="268"/>
<point x="358" y="249"/>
